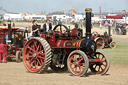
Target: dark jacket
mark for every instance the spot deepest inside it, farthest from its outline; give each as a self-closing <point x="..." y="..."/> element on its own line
<point x="44" y="27"/>
<point x="35" y="34"/>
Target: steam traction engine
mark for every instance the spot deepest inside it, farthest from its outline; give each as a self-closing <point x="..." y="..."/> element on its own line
<point x="104" y="41"/>
<point x="65" y="50"/>
<point x="13" y="36"/>
<point x="120" y="29"/>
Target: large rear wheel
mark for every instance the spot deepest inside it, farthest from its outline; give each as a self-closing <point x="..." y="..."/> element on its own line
<point x="37" y="55"/>
<point x="18" y="56"/>
<point x="77" y="63"/>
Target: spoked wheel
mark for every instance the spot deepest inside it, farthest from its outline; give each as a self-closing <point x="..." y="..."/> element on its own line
<point x="37" y="55"/>
<point x="100" y="67"/>
<point x="60" y="28"/>
<point x="59" y="68"/>
<point x="123" y="31"/>
<point x="113" y="45"/>
<point x="78" y="63"/>
<point x="119" y="31"/>
<point x="99" y="42"/>
<point x="18" y="57"/>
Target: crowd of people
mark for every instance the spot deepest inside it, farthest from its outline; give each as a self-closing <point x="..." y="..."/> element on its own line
<point x="104" y="22"/>
<point x="36" y="29"/>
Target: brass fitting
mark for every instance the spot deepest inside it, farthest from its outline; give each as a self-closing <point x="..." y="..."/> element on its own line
<point x="88" y="10"/>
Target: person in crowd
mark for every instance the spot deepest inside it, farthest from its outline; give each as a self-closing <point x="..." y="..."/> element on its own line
<point x="27" y="33"/>
<point x="100" y="24"/>
<point x="35" y="29"/>
<point x="13" y="25"/>
<point x="47" y="26"/>
<point x="2" y="51"/>
<point x="81" y="23"/>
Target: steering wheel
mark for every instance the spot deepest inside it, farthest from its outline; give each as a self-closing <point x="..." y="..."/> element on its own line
<point x="60" y="30"/>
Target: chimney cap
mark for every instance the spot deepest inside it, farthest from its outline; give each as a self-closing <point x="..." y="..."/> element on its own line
<point x="88" y="10"/>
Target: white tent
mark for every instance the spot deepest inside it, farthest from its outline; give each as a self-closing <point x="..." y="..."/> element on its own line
<point x="13" y="16"/>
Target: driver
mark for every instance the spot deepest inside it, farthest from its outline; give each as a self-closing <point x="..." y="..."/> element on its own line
<point x="47" y="26"/>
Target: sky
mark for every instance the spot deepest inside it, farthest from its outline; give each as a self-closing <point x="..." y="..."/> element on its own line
<point x="23" y="6"/>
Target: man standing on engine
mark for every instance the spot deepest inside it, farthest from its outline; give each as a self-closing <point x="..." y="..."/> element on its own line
<point x="47" y="26"/>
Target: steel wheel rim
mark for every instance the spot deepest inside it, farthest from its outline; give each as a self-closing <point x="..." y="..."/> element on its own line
<point x="76" y="63"/>
<point x="100" y="66"/>
<point x="113" y="45"/>
<point x="19" y="57"/>
<point x="34" y="55"/>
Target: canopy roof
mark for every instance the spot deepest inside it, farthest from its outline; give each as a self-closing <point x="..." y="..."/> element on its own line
<point x="115" y="16"/>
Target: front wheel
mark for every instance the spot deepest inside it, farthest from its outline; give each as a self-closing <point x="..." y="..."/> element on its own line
<point x="100" y="42"/>
<point x="113" y="45"/>
<point x="100" y="67"/>
<point x="78" y="63"/>
<point x="18" y="56"/>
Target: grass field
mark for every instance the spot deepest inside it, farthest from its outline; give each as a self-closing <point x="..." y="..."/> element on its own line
<point x="118" y="55"/>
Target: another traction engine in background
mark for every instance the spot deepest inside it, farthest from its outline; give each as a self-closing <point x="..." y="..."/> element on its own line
<point x="64" y="51"/>
<point x="103" y="41"/>
<point x="13" y="36"/>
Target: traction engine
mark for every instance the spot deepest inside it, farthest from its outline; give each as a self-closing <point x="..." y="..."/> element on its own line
<point x="13" y="36"/>
<point x="104" y="41"/>
<point x="65" y="50"/>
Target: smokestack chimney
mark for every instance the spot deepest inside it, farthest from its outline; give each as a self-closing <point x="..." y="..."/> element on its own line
<point x="9" y="30"/>
<point x="109" y="30"/>
<point x="88" y="23"/>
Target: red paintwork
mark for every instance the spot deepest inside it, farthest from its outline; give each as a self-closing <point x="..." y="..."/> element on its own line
<point x="29" y="60"/>
<point x="49" y="18"/>
<point x="94" y="37"/>
<point x="80" y="61"/>
<point x="77" y="44"/>
<point x="115" y="16"/>
<point x="44" y="36"/>
<point x="74" y="33"/>
<point x="2" y="47"/>
<point x="14" y="28"/>
<point x="99" y="59"/>
<point x="94" y="60"/>
<point x="2" y="34"/>
<point x="52" y="40"/>
<point x="62" y="43"/>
